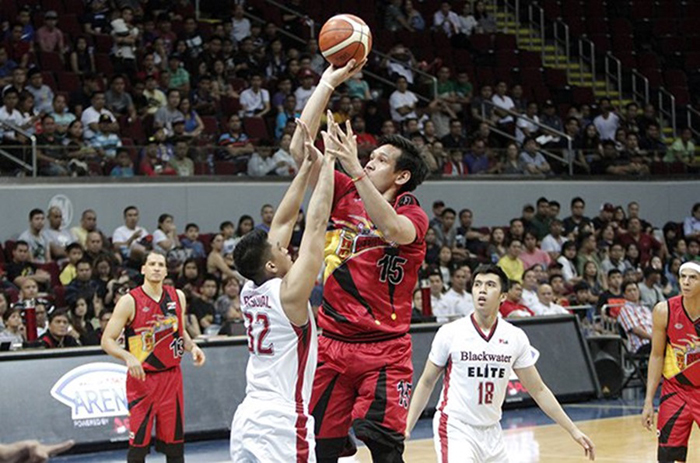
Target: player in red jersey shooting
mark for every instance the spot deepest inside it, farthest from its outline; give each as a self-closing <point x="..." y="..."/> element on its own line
<point x="374" y="249"/>
<point x="153" y="317"/>
<point x="675" y="353"/>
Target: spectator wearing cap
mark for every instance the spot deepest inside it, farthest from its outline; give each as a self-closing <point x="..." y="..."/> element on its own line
<point x="49" y="37"/>
<point x="179" y="77"/>
<point x="105" y="140"/>
<point x="303" y="92"/>
<point x="43" y="95"/>
<point x="550" y="118"/>
<point x="650" y="289"/>
<point x="604" y="217"/>
<point x="165" y="116"/>
<point x="534" y="161"/>
<point x="91" y="116"/>
<point x="118" y="100"/>
<point x="52" y="156"/>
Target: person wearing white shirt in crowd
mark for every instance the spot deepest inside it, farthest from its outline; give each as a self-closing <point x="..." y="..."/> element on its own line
<point x="281" y="163"/>
<point x="467" y="21"/>
<point x="34" y="236"/>
<point x="283" y="159"/>
<point x="545" y="302"/>
<point x="304" y="91"/>
<point x="57" y="237"/>
<point x="437" y="302"/>
<point x="478" y="354"/>
<point x="530" y="287"/>
<point x="691" y="225"/>
<point x="607" y="122"/>
<point x="402" y="102"/>
<point x="503" y="101"/>
<point x="255" y="100"/>
<point x="91" y="116"/>
<point x="241" y="24"/>
<point x="525" y="128"/>
<point x="165" y="237"/>
<point x="553" y="242"/>
<point x="126" y="238"/>
<point x="10" y="114"/>
<point x="447" y="20"/>
<point x="458" y="301"/>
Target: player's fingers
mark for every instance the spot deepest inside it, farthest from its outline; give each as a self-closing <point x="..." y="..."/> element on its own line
<point x="348" y="129"/>
<point x="61" y="447"/>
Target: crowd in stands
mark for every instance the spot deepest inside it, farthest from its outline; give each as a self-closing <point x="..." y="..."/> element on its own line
<point x="616" y="262"/>
<point x="131" y="88"/>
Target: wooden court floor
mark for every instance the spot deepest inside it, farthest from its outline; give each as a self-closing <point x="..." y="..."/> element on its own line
<point x="619" y="440"/>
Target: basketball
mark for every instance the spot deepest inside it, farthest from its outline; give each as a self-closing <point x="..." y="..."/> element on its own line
<point x="344" y="37"/>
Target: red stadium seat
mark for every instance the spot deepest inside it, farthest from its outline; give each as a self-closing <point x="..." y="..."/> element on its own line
<point x="68" y="81"/>
<point x="211" y="125"/>
<point x="52" y="62"/>
<point x="255" y="127"/>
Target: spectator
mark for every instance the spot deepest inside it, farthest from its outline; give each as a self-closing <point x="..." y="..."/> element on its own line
<point x="241" y="24"/>
<point x="445" y="20"/>
<point x="125" y="38"/>
<point x="550" y="118"/>
<point x="530" y="285"/>
<point x="124" y="167"/>
<point x="36" y="239"/>
<point x="14" y="330"/>
<point x="77" y="149"/>
<point x="165" y="116"/>
<point x="467" y="22"/>
<point x="615" y="260"/>
<point x="540" y="222"/>
<point x="532" y="254"/>
<point x="650" y="289"/>
<point x="191" y="241"/>
<point x="533" y="161"/>
<point x="652" y="143"/>
<point x="446" y="230"/>
<point x="105" y="141"/>
<point x="183" y="165"/>
<point x="455" y="139"/>
<point x="88" y="223"/>
<point x="587" y="251"/>
<point x="43" y="95"/>
<point x="57" y="236"/>
<point x="51" y="154"/>
<point x="646" y="244"/>
<point x="458" y="301"/>
<point x="216" y="261"/>
<point x="96" y="21"/>
<point x="189" y="278"/>
<point x="402" y="102"/>
<point x="511" y="263"/>
<point x="612" y="297"/>
<point x="567" y="260"/>
<point x="486" y="22"/>
<point x="245" y="224"/>
<point x="235" y="143"/>
<point x="513" y="307"/>
<point x="577" y="219"/>
<point x="527" y="126"/>
<point x="179" y="77"/>
<point x="156" y="155"/>
<point x="255" y="100"/>
<point x="607" y="122"/>
<point x="17" y="49"/>
<point x="437" y="305"/>
<point x="545" y="304"/>
<point x="61" y="116"/>
<point x="57" y="335"/>
<point x="394" y="17"/>
<point x="303" y="93"/>
<point x="82" y="58"/>
<point x="455" y="166"/>
<point x="119" y="101"/>
<point x="82" y="285"/>
<point x="513" y="165"/>
<point x="192" y="37"/>
<point x="74" y="253"/>
<point x="165" y="236"/>
<point x="82" y="329"/>
<point x="194" y="127"/>
<point x="358" y="87"/>
<point x="591" y="276"/>
<point x="127" y="239"/>
<point x="228" y="305"/>
<point x="6" y="67"/>
<point x="30" y="117"/>
<point x="691" y="224"/>
<point x="503" y="103"/>
<point x="496" y="247"/>
<point x="343" y="111"/>
<point x="629" y="118"/>
<point x="267" y="213"/>
<point x="477" y="159"/>
<point x="91" y="116"/>
<point x="682" y="149"/>
<point x="636" y="320"/>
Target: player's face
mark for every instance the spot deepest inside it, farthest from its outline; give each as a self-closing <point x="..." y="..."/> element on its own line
<point x="154" y="270"/>
<point x="690" y="283"/>
<point x="380" y="168"/>
<point x="486" y="292"/>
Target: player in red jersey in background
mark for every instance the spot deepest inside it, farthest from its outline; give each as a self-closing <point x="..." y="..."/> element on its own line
<point x="374" y="249"/>
<point x="675" y="353"/>
<point x="153" y="317"/>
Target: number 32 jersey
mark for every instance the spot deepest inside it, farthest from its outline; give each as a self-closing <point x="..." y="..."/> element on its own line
<point x="478" y="366"/>
<point x="368" y="281"/>
<point x="283" y="356"/>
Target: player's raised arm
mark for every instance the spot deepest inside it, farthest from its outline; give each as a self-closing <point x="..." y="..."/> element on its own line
<point x="531" y="379"/>
<point x="656" y="361"/>
<point x="282" y="226"/>
<point x="299" y="281"/>
<point x="422" y="393"/>
<point x="123" y="314"/>
<point x="311" y="114"/>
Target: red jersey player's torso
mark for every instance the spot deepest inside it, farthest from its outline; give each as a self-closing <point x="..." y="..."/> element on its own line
<point x="154" y="336"/>
<point x="682" y="360"/>
<point x="368" y="282"/>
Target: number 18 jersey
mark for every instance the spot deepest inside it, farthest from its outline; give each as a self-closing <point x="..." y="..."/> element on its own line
<point x="283" y="356"/>
<point x="368" y="281"/>
<point x="478" y="366"/>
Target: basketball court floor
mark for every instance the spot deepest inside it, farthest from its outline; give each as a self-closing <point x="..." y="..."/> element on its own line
<point x="530" y="437"/>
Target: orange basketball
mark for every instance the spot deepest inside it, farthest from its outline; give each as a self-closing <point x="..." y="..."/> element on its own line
<point x="344" y="37"/>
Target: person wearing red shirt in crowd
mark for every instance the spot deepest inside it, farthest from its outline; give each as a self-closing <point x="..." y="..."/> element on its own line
<point x="374" y="248"/>
<point x="18" y="50"/>
<point x="647" y="245"/>
<point x="512" y="307"/>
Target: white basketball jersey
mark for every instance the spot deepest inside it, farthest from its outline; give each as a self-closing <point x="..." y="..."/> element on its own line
<point x="477" y="368"/>
<point x="283" y="356"/>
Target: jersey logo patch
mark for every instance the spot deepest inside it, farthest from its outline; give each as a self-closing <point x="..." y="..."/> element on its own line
<point x="678" y="326"/>
<point x="503" y="341"/>
<point x="407" y="200"/>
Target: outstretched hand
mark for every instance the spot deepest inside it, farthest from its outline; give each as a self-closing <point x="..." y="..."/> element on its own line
<point x="344" y="146"/>
<point x="335" y="76"/>
<point x="311" y="153"/>
<point x="585" y="442"/>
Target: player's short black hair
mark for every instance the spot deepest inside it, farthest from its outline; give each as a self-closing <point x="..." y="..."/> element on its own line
<point x="410" y="160"/>
<point x="486" y="269"/>
<point x="251" y="254"/>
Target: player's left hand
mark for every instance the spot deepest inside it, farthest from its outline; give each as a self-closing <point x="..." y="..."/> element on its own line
<point x="585" y="442"/>
<point x="198" y="356"/>
<point x="344" y="146"/>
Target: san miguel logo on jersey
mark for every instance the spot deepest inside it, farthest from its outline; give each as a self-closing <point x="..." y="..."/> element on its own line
<point x="145" y="339"/>
<point x="94" y="392"/>
<point x="351" y="239"/>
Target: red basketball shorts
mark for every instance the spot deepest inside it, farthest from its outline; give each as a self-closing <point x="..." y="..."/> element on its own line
<point x="363" y="385"/>
<point x="679" y="408"/>
<point x="158" y="398"/>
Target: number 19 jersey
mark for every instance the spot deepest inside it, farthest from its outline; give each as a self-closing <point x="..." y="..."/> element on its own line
<point x="368" y="281"/>
<point x="478" y="366"/>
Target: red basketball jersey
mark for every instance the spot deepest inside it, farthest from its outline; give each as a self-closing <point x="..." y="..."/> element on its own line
<point x="368" y="282"/>
<point x="154" y="336"/>
<point x="682" y="361"/>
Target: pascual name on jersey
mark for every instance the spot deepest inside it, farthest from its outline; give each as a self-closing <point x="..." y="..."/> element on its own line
<point x="485" y="371"/>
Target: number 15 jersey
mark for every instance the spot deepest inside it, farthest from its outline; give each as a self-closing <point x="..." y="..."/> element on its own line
<point x="368" y="281"/>
<point x="478" y="366"/>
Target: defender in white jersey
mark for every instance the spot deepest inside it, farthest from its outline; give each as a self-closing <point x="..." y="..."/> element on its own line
<point x="273" y="423"/>
<point x="477" y="355"/>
